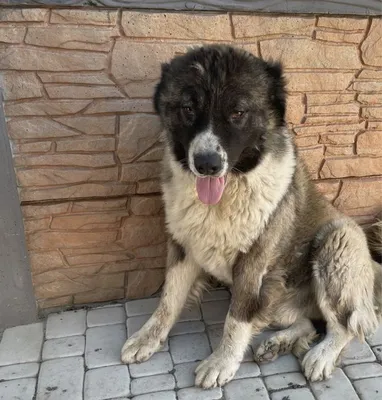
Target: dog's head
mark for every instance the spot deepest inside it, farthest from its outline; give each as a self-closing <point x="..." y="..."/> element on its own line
<point x="222" y="109"/>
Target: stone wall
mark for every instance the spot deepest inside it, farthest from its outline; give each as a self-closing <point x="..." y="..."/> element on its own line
<point x="77" y="88"/>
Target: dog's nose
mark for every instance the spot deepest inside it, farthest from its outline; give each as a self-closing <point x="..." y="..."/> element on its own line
<point x="208" y="164"/>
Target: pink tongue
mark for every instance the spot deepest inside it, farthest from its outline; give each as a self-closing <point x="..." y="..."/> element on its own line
<point x="210" y="190"/>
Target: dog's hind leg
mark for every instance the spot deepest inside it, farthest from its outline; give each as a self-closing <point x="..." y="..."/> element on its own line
<point x="343" y="279"/>
<point x="296" y="339"/>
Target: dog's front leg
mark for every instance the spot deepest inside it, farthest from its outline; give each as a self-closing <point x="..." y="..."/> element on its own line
<point x="245" y="317"/>
<point x="180" y="275"/>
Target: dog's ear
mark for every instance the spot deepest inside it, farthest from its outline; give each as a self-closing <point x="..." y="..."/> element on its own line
<point x="160" y="87"/>
<point x="277" y="91"/>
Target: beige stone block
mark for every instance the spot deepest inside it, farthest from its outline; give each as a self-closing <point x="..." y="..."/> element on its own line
<point x="78" y="37"/>
<point x="157" y="250"/>
<point x="295" y="109"/>
<point x="99" y="205"/>
<point x="141" y="61"/>
<point x="372" y="112"/>
<point x="107" y="248"/>
<point x="334" y="109"/>
<point x="153" y="154"/>
<point x="134" y="265"/>
<point x="104" y="258"/>
<point x="57" y="302"/>
<point x="23" y="14"/>
<point x="375" y="74"/>
<point x="313" y="158"/>
<point x="123" y="105"/>
<point x="374" y="125"/>
<point x="91" y="78"/>
<point x="307" y="53"/>
<point x="370" y="143"/>
<point x="61" y="176"/>
<point x="89" y="145"/>
<point x="146" y="205"/>
<point x="42" y="210"/>
<point x="137" y="134"/>
<point x="141" y="231"/>
<point x="39" y="59"/>
<point x="328" y="188"/>
<point x="351" y="166"/>
<point x="246" y="26"/>
<point x="360" y="196"/>
<point x="329" y="128"/>
<point x="144" y="283"/>
<point x="315" y="99"/>
<point x="143" y="89"/>
<point x="100" y="125"/>
<point x="12" y="34"/>
<point x="149" y="186"/>
<point x="330" y="119"/>
<point x="340" y="37"/>
<point x="345" y="23"/>
<point x="337" y="138"/>
<point x="33" y="225"/>
<point x="318" y="81"/>
<point x="56" y="91"/>
<point x="78" y="16"/>
<point x="339" y="151"/>
<point x="37" y="128"/>
<point x="33" y="147"/>
<point x="306" y="141"/>
<point x="367" y="86"/>
<point x="140" y="171"/>
<point x="76" y="191"/>
<point x="371" y="47"/>
<point x="177" y="25"/>
<point x="372" y="99"/>
<point x="98" y="295"/>
<point x="45" y="107"/>
<point x="87" y="222"/>
<point x="51" y="240"/>
<point x="45" y="261"/>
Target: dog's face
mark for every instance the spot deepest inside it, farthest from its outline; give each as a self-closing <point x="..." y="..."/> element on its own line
<point x="222" y="109"/>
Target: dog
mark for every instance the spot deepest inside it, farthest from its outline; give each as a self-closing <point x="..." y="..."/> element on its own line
<point x="240" y="207"/>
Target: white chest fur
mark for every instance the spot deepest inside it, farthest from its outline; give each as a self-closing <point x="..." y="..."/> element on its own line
<point x="214" y="235"/>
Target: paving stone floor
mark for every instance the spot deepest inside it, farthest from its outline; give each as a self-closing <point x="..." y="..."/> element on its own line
<point x="75" y="355"/>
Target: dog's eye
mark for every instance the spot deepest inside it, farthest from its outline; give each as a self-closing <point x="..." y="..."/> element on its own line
<point x="237" y="115"/>
<point x="187" y="110"/>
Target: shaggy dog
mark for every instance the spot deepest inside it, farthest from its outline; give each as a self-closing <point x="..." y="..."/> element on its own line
<point x="240" y="207"/>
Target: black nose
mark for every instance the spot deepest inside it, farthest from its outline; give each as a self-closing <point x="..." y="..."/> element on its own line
<point x="208" y="164"/>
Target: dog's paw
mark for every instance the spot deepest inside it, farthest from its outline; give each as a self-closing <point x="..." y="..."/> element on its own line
<point x="319" y="364"/>
<point x="140" y="347"/>
<point x="271" y="348"/>
<point x="216" y="370"/>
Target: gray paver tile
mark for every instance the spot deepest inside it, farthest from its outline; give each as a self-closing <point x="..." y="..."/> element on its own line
<point x="245" y="389"/>
<point x="247" y="370"/>
<point x="157" y="396"/>
<point x="192" y="347"/>
<point x="18" y="389"/>
<point x="283" y="364"/>
<point x="215" y="312"/>
<point x="21" y="344"/>
<point x="293" y="394"/>
<point x="369" y="389"/>
<point x="68" y="323"/>
<point x="190" y="314"/>
<point x="182" y="328"/>
<point x="104" y="383"/>
<point x="185" y="374"/>
<point x="284" y="381"/>
<point x="63" y="347"/>
<point x="378" y="352"/>
<point x="361" y="371"/>
<point x="357" y="352"/>
<point x="141" y="307"/>
<point x="337" y="387"/>
<point x="376" y="339"/>
<point x="29" y="370"/>
<point x="200" y="394"/>
<point x="103" y="345"/>
<point x="61" y="379"/>
<point x="159" y="363"/>
<point x="106" y="316"/>
<point x="151" y="384"/>
<point x="219" y="294"/>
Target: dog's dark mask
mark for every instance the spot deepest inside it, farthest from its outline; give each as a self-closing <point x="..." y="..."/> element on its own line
<point x="222" y="109"/>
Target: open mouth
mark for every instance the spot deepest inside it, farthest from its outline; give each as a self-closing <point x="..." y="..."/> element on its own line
<point x="210" y="189"/>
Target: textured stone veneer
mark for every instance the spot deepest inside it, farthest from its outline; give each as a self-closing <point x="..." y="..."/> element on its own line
<point x="78" y="86"/>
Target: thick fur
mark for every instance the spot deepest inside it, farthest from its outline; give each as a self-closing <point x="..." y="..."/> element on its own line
<point x="287" y="254"/>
